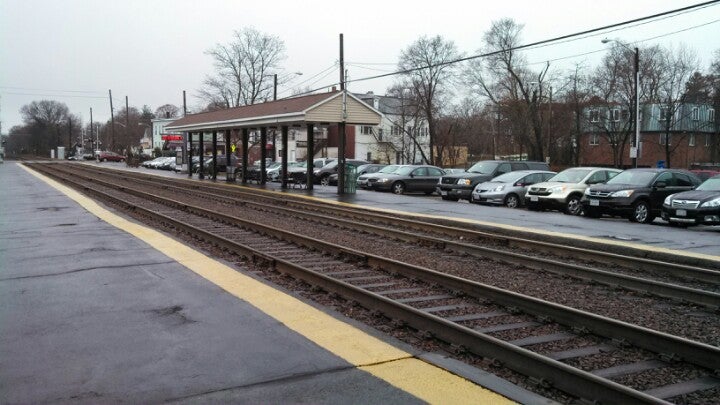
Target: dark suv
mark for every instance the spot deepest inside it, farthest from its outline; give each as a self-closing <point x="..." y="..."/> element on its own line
<point x="636" y="194"/>
<point x="460" y="185"/>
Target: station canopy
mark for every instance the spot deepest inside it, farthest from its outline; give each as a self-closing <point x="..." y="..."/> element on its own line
<point x="317" y="109"/>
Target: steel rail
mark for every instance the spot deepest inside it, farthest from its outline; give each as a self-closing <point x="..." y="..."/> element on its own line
<point x="666" y="263"/>
<point x="569" y="379"/>
<point x="681" y="293"/>
<point x="697" y="353"/>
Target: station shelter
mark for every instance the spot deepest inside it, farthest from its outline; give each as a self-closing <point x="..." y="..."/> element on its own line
<point x="334" y="108"/>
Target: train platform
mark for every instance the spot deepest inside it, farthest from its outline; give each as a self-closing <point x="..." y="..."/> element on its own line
<point x="97" y="308"/>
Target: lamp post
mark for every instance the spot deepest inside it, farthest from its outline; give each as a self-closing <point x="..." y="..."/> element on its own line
<point x="635" y="152"/>
<point x="275" y="82"/>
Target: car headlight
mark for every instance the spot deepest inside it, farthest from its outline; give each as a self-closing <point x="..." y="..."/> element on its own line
<point x="587" y="191"/>
<point x="499" y="188"/>
<point x="668" y="200"/>
<point x="385" y="180"/>
<point x="712" y="203"/>
<point x="556" y="189"/>
<point x="464" y="182"/>
<point x="622" y="193"/>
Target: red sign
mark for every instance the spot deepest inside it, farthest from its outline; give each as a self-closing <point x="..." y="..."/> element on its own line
<point x="172" y="137"/>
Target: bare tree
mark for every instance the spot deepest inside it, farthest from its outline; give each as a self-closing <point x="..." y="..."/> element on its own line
<point x="676" y="69"/>
<point x="429" y="72"/>
<point x="506" y="82"/>
<point x="167" y="111"/>
<point x="577" y="96"/>
<point x="406" y="118"/>
<point x="244" y="69"/>
<point x="45" y="122"/>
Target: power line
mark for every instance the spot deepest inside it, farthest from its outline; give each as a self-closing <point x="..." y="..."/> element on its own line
<point x="543" y="42"/>
<point x="54" y="91"/>
<point x="51" y="95"/>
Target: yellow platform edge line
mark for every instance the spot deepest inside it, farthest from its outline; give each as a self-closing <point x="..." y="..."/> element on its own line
<point x="382" y="360"/>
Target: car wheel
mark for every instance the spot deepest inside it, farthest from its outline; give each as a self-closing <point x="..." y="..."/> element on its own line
<point x="448" y="198"/>
<point x="512" y="201"/>
<point x="573" y="206"/>
<point x="398" y="187"/>
<point x="325" y="181"/>
<point x="641" y="213"/>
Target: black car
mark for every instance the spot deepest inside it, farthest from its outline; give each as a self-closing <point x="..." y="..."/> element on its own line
<point x="408" y="178"/>
<point x="322" y="175"/>
<point x="461" y="185"/>
<point x="700" y="206"/>
<point x="636" y="194"/>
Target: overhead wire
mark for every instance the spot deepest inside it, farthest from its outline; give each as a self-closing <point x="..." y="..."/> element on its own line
<point x="537" y="44"/>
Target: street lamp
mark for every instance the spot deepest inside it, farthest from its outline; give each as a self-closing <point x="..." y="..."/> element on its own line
<point x="635" y="152"/>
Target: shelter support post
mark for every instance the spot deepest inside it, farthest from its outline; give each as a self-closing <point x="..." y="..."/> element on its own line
<point x="228" y="161"/>
<point x="214" y="155"/>
<point x="341" y="160"/>
<point x="310" y="155"/>
<point x="244" y="155"/>
<point x="284" y="156"/>
<point x="190" y="153"/>
<point x="201" y="168"/>
<point x="263" y="154"/>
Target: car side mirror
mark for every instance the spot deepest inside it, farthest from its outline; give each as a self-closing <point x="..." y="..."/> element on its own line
<point x="660" y="184"/>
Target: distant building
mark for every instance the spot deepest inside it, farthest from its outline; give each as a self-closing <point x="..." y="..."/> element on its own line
<point x="691" y="132"/>
<point x="158" y="130"/>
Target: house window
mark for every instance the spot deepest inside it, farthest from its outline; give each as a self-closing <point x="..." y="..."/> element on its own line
<point x="711" y="115"/>
<point x="594" y="115"/>
<point x="614" y="115"/>
<point x="366" y="130"/>
<point x="664" y="137"/>
<point x="695" y="114"/>
<point x="369" y="157"/>
<point x="664" y="114"/>
<point x="691" y="140"/>
<point x="594" y="139"/>
<point x="380" y="134"/>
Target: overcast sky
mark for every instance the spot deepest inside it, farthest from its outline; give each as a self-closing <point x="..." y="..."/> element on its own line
<point x="73" y="51"/>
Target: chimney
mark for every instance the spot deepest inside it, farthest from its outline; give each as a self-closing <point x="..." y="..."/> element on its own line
<point x="334" y="88"/>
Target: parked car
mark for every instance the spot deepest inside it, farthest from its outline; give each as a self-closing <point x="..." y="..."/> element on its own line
<point x="704" y="174"/>
<point x="221" y="163"/>
<point x="407" y="179"/>
<point x="636" y="194"/>
<point x="565" y="190"/>
<point x="454" y="170"/>
<point x="105" y="156"/>
<point x="461" y="185"/>
<point x="363" y="179"/>
<point x="320" y="162"/>
<point x="151" y="164"/>
<point x="508" y="189"/>
<point x="697" y="207"/>
<point x="322" y="175"/>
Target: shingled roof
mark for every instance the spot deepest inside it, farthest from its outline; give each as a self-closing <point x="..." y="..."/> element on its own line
<point x="313" y="108"/>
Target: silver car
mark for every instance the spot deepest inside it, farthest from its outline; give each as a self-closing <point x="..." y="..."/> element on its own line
<point x="508" y="189"/>
<point x="362" y="181"/>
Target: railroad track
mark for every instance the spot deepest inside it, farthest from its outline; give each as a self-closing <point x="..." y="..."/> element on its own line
<point x="461" y="312"/>
<point x="705" y="282"/>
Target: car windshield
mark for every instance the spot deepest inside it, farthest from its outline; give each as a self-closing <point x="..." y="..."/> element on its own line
<point x="511" y="177"/>
<point x="404" y="170"/>
<point x="296" y="164"/>
<point x="711" y="184"/>
<point x="483" y="167"/>
<point x="331" y="165"/>
<point x="273" y="166"/>
<point x="633" y="178"/>
<point x="389" y="169"/>
<point x="570" y="175"/>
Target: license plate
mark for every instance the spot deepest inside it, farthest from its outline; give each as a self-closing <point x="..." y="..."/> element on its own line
<point x="533" y="198"/>
<point x="595" y="203"/>
<point x="443" y="192"/>
<point x="681" y="213"/>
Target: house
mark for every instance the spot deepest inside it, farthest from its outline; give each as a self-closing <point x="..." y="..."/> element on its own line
<point x="402" y="136"/>
<point x="688" y="133"/>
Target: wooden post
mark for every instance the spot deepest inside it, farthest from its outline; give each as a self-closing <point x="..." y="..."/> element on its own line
<point x="263" y="154"/>
<point x="189" y="154"/>
<point x="228" y="160"/>
<point x="244" y="154"/>
<point x="214" y="155"/>
<point x="201" y="169"/>
<point x="284" y="156"/>
<point x="310" y="154"/>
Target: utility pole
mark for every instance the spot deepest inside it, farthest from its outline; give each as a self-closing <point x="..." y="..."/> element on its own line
<point x="341" y="125"/>
<point x="127" y="121"/>
<point x="275" y="87"/>
<point x="91" y="131"/>
<point x="184" y="104"/>
<point x="112" y="123"/>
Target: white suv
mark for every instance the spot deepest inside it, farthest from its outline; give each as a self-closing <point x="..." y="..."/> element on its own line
<point x="564" y="191"/>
